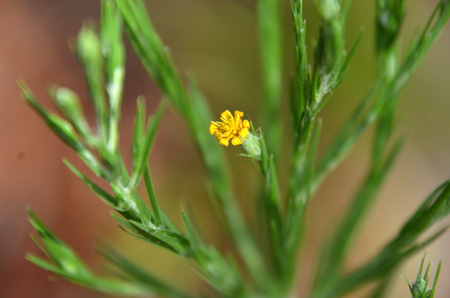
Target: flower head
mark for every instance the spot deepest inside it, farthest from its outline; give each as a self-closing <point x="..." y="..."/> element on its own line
<point x="230" y="128"/>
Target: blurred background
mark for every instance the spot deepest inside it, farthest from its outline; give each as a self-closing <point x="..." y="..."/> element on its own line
<point x="217" y="41"/>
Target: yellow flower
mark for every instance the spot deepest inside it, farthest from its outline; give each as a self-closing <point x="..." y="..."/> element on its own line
<point x="230" y="128"/>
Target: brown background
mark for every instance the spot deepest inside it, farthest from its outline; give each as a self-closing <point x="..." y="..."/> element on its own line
<point x="217" y="41"/>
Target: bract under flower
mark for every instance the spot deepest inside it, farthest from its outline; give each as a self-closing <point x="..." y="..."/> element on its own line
<point x="230" y="128"/>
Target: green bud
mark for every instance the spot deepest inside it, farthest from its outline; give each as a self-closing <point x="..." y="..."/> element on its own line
<point x="69" y="105"/>
<point x="252" y="146"/>
<point x="88" y="45"/>
<point x="419" y="288"/>
<point x="329" y="9"/>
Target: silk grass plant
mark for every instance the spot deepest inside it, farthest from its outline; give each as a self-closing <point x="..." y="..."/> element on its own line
<point x="263" y="261"/>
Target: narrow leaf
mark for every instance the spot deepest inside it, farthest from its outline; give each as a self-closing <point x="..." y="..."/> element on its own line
<point x="146" y="146"/>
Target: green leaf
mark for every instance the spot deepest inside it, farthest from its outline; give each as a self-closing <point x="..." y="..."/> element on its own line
<point x="100" y="192"/>
<point x="329" y="54"/>
<point x="65" y="263"/>
<point x="146" y="144"/>
<point x="113" y="52"/>
<point x="311" y="158"/>
<point x="418" y="50"/>
<point x="270" y="202"/>
<point x="60" y="254"/>
<point x="269" y="21"/>
<point x="222" y="274"/>
<point x="157" y="236"/>
<point x="137" y="274"/>
<point x="389" y="18"/>
<point x="69" y="105"/>
<point x="192" y="235"/>
<point x="298" y="190"/>
<point x="179" y="243"/>
<point x="59" y="126"/>
<point x="88" y="51"/>
<point x="151" y="52"/>
<point x="137" y="143"/>
<point x="152" y="196"/>
<point x="348" y="58"/>
<point x="64" y="130"/>
<point x="299" y="97"/>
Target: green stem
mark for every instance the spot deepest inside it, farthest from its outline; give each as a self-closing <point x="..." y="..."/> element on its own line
<point x="269" y="22"/>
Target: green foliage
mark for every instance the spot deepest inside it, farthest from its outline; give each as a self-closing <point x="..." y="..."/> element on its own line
<point x="419" y="288"/>
<point x="261" y="265"/>
<point x="65" y="263"/>
<point x="407" y="242"/>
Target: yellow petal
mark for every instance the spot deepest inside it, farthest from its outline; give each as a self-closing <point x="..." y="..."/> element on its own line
<point x="227" y="116"/>
<point x="246" y="124"/>
<point x="224" y="142"/>
<point x="243" y="133"/>
<point x="213" y="128"/>
<point x="236" y="141"/>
